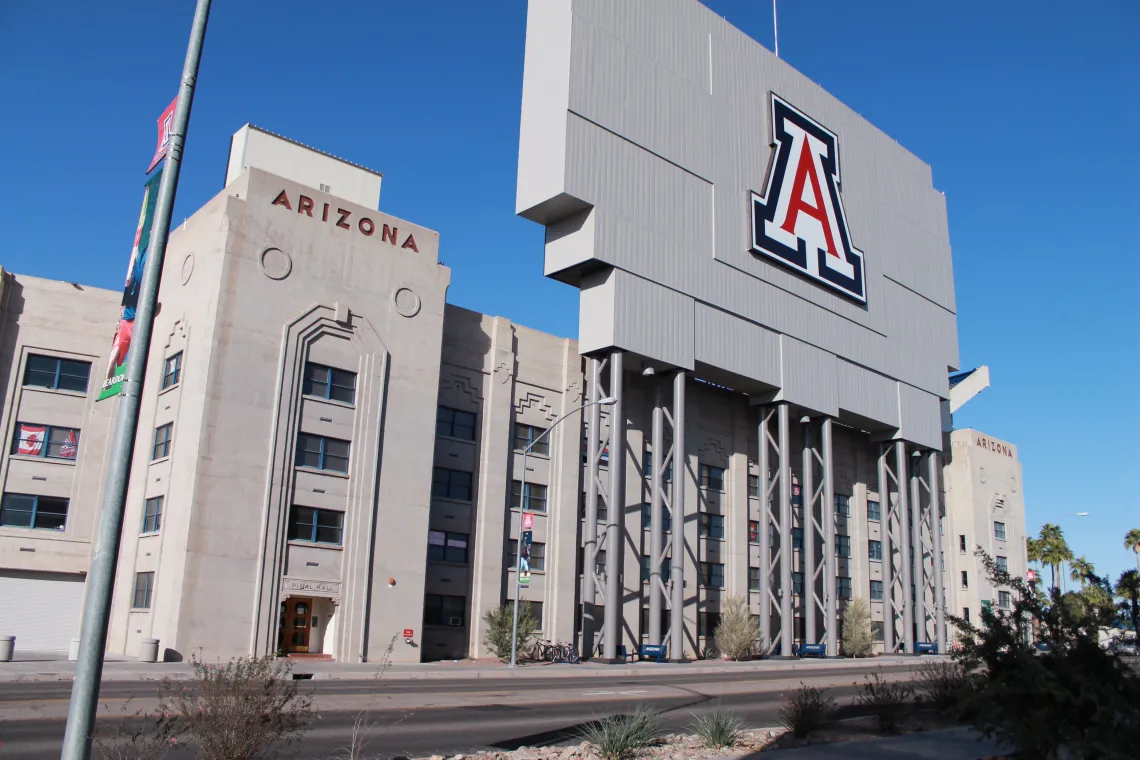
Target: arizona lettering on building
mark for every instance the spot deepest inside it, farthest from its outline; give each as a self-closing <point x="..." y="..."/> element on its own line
<point x="799" y="220"/>
<point x="995" y="446"/>
<point x="344" y="219"/>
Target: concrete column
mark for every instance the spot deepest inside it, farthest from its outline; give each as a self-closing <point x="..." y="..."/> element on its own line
<point x="489" y="570"/>
<point x="612" y="625"/>
<point x="677" y="562"/>
<point x="565" y="492"/>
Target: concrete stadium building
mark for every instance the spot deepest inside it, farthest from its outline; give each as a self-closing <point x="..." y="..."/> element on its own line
<point x="330" y="454"/>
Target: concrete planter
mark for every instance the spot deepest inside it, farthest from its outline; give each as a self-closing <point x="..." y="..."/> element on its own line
<point x="148" y="650"/>
<point x="7" y="648"/>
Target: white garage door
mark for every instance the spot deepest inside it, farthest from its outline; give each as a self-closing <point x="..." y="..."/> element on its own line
<point x="40" y="609"/>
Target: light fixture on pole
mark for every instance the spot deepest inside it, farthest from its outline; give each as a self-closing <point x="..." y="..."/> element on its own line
<point x="519" y="548"/>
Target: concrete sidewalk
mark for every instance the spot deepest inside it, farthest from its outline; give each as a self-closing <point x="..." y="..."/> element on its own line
<point x="947" y="744"/>
<point x="32" y="666"/>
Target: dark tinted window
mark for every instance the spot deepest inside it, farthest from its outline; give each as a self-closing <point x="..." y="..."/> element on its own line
<point x="329" y="383"/>
<point x="57" y="374"/>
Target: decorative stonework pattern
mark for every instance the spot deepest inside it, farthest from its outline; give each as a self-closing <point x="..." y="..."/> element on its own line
<point x="713" y="446"/>
<point x="505" y="371"/>
<point x="574" y="392"/>
<point x="462" y="384"/>
<point x="538" y="401"/>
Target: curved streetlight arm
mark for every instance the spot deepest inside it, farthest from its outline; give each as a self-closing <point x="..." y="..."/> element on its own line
<point x="608" y="401"/>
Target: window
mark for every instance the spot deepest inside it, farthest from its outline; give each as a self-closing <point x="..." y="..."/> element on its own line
<point x="444" y="546"/>
<point x="712" y="526"/>
<point x="753" y="579"/>
<point x="843" y="546"/>
<point x="876" y="591"/>
<point x="144" y="587"/>
<point x="645" y="621"/>
<point x="450" y="484"/>
<point x="453" y="423"/>
<point x="1002" y="563"/>
<point x="329" y="383"/>
<point x="966" y="614"/>
<point x="797" y="496"/>
<point x="525" y="435"/>
<point x="162" y="436"/>
<point x="965" y="580"/>
<point x="843" y="504"/>
<point x="19" y="510"/>
<point x="440" y="609"/>
<point x="534" y="607"/>
<point x="537" y="555"/>
<point x="322" y="453"/>
<point x="874" y="511"/>
<point x="753" y="531"/>
<point x="647" y="466"/>
<point x="34" y="440"/>
<point x="318" y="526"/>
<point x="712" y="478"/>
<point x="754" y="485"/>
<point x="647" y="517"/>
<point x="599" y="561"/>
<point x="152" y="515"/>
<point x="707" y="623"/>
<point x="666" y="571"/>
<point x="798" y="538"/>
<point x="843" y="587"/>
<point x="712" y="575"/>
<point x="999" y="531"/>
<point x="798" y="583"/>
<point x="877" y="633"/>
<point x="57" y="374"/>
<point x="875" y="550"/>
<point x="1004" y="600"/>
<point x="603" y="513"/>
<point x="962" y="544"/>
<point x="172" y="371"/>
<point x="535" y="496"/>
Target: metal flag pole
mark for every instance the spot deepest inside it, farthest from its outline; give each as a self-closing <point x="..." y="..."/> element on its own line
<point x="775" y="29"/>
<point x="522" y="508"/>
<point x="101" y="574"/>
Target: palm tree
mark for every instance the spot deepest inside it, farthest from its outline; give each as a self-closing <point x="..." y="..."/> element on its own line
<point x="1132" y="542"/>
<point x="1033" y="550"/>
<point x="1054" y="552"/>
<point x="1129" y="587"/>
<point x="1080" y="569"/>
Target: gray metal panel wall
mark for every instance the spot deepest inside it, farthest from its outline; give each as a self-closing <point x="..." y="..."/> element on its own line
<point x="666" y="133"/>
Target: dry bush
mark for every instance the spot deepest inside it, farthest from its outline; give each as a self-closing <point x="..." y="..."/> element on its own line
<point x="806" y="711"/>
<point x="940" y="682"/>
<point x="617" y="737"/>
<point x="887" y="700"/>
<point x="735" y="636"/>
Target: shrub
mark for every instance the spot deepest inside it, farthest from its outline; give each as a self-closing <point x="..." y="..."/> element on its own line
<point x="805" y="711"/>
<point x="500" y="624"/>
<point x="887" y="700"/>
<point x="718" y="729"/>
<point x="735" y="635"/>
<point x="243" y="710"/>
<point x="857" y="639"/>
<point x="141" y="736"/>
<point x="940" y="682"/>
<point x="617" y="737"/>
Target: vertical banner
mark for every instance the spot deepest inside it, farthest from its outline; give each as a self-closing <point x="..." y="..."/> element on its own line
<point x="120" y="346"/>
<point x="165" y="126"/>
<point x="524" y="559"/>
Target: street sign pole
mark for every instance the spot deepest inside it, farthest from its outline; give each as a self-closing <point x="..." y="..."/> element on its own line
<point x="101" y="574"/>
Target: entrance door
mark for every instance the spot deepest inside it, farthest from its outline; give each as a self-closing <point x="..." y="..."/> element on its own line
<point x="297" y="623"/>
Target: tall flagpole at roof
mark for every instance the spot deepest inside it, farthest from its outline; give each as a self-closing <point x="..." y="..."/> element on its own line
<point x="775" y="29"/>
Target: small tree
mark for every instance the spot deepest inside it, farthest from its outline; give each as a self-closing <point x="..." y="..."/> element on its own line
<point x="857" y="639"/>
<point x="736" y="634"/>
<point x="500" y="624"/>
<point x="1128" y="589"/>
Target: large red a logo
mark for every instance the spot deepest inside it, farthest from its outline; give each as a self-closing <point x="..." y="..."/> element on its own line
<point x="800" y="219"/>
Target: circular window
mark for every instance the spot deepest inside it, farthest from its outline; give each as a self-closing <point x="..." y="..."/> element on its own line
<point x="982" y="474"/>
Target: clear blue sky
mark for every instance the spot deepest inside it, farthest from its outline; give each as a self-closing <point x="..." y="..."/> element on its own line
<point x="1026" y="110"/>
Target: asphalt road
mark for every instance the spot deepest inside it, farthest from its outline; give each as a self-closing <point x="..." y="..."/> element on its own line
<point x="425" y="717"/>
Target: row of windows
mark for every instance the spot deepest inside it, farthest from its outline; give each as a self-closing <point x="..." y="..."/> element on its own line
<point x="842" y="584"/>
<point x="59" y="374"/>
<point x="48" y="441"/>
<point x="19" y="510"/>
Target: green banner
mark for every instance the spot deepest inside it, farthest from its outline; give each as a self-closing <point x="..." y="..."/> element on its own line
<point x="121" y="345"/>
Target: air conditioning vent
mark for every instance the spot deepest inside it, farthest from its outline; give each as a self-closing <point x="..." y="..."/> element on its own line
<point x="455" y="622"/>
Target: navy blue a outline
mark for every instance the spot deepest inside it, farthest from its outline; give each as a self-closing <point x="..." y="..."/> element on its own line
<point x="764" y="207"/>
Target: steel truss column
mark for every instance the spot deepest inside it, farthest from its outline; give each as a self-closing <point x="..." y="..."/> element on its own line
<point x="891" y="544"/>
<point x="917" y="518"/>
<point x="809" y="499"/>
<point x="764" y="441"/>
<point x="594" y="448"/>
<point x="831" y="630"/>
<point x="904" y="539"/>
<point x="787" y="554"/>
<point x="677" y="505"/>
<point x="656" y="519"/>
<point x="934" y="463"/>
<point x="612" y="623"/>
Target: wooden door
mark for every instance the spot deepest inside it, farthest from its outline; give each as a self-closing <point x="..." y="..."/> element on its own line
<point x="298" y="620"/>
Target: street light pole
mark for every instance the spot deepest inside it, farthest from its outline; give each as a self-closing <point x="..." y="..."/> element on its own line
<point x="522" y="508"/>
<point x="101" y="575"/>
